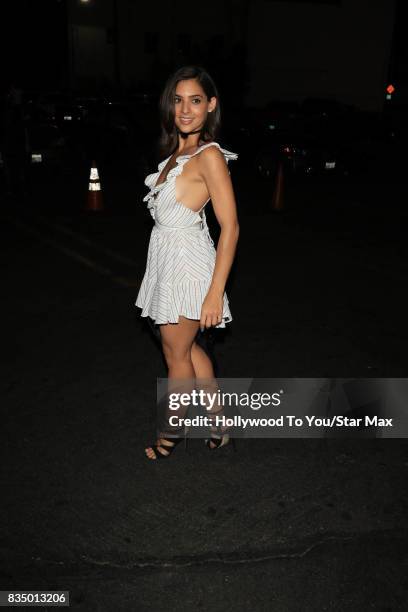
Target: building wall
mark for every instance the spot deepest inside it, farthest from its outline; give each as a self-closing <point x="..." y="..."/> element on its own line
<point x="299" y="50"/>
<point x="90" y="41"/>
<point x="172" y="25"/>
<point x="296" y="48"/>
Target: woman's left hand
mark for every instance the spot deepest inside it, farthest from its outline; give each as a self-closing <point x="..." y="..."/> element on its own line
<point x="211" y="311"/>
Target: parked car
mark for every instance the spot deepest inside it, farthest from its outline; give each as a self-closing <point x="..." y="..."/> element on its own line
<point x="46" y="146"/>
<point x="338" y="144"/>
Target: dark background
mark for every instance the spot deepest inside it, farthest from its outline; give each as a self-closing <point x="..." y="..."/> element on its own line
<point x="317" y="289"/>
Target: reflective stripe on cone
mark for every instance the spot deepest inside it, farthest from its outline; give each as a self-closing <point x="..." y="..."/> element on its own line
<point x="94" y="200"/>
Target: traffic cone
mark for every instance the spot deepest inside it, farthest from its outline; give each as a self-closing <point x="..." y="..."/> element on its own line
<point x="277" y="198"/>
<point x="94" y="200"/>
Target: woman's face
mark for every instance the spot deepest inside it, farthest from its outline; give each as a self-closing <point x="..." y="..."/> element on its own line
<point x="191" y="105"/>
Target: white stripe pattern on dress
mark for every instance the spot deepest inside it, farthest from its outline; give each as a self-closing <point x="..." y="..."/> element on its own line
<point x="181" y="254"/>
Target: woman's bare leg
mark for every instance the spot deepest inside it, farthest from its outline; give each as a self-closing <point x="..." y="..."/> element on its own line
<point x="204" y="370"/>
<point x="177" y="340"/>
<point x="202" y="364"/>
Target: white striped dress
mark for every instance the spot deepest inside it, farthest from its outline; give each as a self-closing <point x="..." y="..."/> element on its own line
<point x="181" y="255"/>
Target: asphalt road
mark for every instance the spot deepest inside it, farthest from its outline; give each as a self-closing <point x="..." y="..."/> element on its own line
<point x="282" y="524"/>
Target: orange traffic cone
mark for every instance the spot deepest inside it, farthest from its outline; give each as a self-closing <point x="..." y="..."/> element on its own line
<point x="94" y="200"/>
<point x="277" y="198"/>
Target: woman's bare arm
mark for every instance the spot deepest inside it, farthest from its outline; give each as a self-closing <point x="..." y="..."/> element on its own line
<point x="214" y="170"/>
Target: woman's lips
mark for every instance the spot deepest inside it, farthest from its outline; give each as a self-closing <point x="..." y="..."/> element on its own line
<point x="185" y="121"/>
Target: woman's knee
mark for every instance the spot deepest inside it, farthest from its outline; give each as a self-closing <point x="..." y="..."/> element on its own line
<point x="174" y="355"/>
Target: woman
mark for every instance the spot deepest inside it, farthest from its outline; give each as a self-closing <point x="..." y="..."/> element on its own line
<point x="183" y="288"/>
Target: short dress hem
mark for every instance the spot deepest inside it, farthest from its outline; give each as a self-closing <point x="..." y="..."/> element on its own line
<point x="182" y="314"/>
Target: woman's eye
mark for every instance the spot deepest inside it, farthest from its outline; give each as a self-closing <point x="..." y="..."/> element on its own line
<point x="194" y="100"/>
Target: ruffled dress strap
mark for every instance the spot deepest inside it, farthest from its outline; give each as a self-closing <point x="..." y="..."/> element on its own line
<point x="151" y="179"/>
<point x="227" y="154"/>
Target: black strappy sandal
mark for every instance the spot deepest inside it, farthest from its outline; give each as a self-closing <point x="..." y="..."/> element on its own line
<point x="169" y="448"/>
<point x="221" y="439"/>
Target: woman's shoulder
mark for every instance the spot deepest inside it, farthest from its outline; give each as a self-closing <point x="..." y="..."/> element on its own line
<point x="227" y="154"/>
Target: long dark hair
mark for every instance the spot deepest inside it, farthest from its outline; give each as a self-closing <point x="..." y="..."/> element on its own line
<point x="168" y="139"/>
